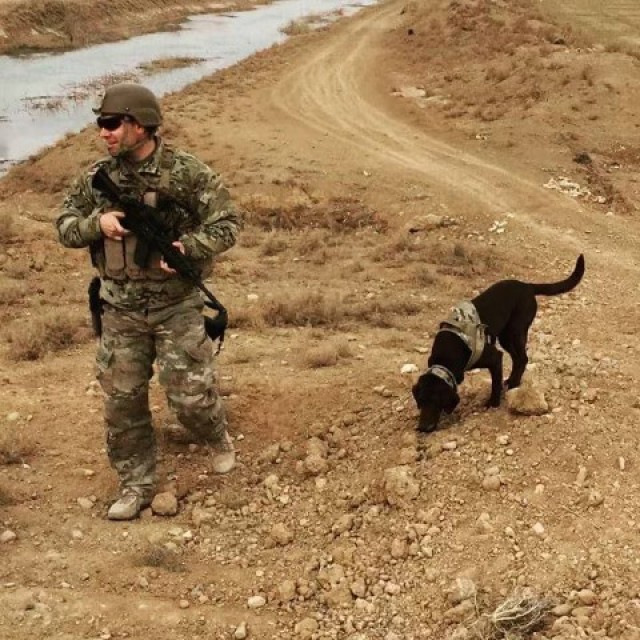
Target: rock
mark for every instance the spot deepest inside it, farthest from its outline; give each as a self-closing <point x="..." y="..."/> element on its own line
<point x="409" y="368"/>
<point x="339" y="596"/>
<point x="199" y="516"/>
<point x="408" y="455"/>
<point x="343" y="524"/>
<point x="399" y="486"/>
<point x="538" y="529"/>
<point x="527" y="400"/>
<point x="460" y="611"/>
<point x="410" y="92"/>
<point x="85" y="503"/>
<point x="595" y="498"/>
<point x="491" y="483"/>
<point x="587" y="597"/>
<point x="7" y="536"/>
<point x="287" y="590"/>
<point x="241" y="631"/>
<point x="358" y="588"/>
<point x="398" y="548"/>
<point x="315" y="465"/>
<point x="165" y="504"/>
<point x="582" y="476"/>
<point x="306" y="628"/>
<point x="270" y="454"/>
<point x="562" y="610"/>
<point x="317" y="447"/>
<point x="331" y="576"/>
<point x="483" y="523"/>
<point x="255" y="602"/>
<point x="281" y="534"/>
<point x="461" y="590"/>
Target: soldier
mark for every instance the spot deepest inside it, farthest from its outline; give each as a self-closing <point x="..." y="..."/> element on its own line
<point x="149" y="312"/>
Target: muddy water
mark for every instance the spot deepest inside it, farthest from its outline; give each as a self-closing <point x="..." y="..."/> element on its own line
<point x="44" y="97"/>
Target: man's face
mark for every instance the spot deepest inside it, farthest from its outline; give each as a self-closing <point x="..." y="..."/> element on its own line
<point x="120" y="133"/>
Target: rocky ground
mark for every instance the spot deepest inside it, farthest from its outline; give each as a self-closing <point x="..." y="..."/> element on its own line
<point x="398" y="161"/>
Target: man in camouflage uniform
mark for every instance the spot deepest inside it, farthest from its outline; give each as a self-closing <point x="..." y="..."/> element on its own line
<point x="150" y="313"/>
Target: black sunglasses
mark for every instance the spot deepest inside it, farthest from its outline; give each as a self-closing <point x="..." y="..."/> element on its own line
<point x="110" y="123"/>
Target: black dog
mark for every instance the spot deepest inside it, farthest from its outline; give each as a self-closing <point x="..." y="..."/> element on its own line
<point x="467" y="340"/>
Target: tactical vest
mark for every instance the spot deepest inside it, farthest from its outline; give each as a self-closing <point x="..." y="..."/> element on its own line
<point x="464" y="321"/>
<point x="115" y="258"/>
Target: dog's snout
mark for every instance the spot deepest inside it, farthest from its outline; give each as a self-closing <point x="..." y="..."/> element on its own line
<point x="428" y="420"/>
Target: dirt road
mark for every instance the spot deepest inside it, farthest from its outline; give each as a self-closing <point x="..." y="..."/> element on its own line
<point x="389" y="166"/>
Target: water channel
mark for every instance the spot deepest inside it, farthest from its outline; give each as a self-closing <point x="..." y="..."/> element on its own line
<point x="43" y="97"/>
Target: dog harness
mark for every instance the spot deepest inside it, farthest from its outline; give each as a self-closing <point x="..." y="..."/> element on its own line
<point x="463" y="320"/>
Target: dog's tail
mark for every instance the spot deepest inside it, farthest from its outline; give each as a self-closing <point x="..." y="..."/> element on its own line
<point x="556" y="288"/>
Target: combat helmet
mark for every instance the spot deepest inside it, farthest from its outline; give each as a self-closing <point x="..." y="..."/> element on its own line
<point x="133" y="100"/>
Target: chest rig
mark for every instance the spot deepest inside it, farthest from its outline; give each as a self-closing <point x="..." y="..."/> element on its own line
<point x="464" y="321"/>
<point x="117" y="258"/>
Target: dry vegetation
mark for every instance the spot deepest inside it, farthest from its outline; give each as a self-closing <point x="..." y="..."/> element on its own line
<point x="35" y="25"/>
<point x="17" y="444"/>
<point x="44" y="332"/>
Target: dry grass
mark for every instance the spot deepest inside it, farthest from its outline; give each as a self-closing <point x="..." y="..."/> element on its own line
<point x="160" y="558"/>
<point x="6" y="498"/>
<point x="50" y="331"/>
<point x="303" y="308"/>
<point x="17" y="444"/>
<point x="167" y="64"/>
<point x="327" y="354"/>
<point x="8" y="229"/>
<point x="274" y="243"/>
<point x="296" y="28"/>
<point x="340" y="214"/>
<point x="12" y="292"/>
<point x="423" y="276"/>
<point x="514" y="619"/>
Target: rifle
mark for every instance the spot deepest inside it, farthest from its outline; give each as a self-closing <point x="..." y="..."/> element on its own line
<point x="139" y="219"/>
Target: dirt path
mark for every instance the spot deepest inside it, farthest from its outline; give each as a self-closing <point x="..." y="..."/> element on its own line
<point x="368" y="215"/>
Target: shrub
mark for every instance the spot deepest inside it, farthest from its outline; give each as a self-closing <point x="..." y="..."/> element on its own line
<point x="16" y="444"/>
<point x="7" y="227"/>
<point x="50" y="331"/>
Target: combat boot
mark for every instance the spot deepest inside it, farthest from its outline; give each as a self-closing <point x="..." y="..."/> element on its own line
<point x="224" y="454"/>
<point x="129" y="505"/>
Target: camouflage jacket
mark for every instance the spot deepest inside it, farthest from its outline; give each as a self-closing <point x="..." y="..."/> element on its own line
<point x="192" y="204"/>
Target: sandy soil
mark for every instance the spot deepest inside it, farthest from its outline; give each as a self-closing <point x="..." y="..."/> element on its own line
<point x="389" y="166"/>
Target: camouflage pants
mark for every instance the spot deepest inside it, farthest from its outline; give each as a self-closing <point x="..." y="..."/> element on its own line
<point x="175" y="338"/>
